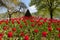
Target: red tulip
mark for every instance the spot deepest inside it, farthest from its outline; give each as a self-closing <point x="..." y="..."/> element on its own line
<point x="18" y="21"/>
<point x="37" y="21"/>
<point x="45" y="19"/>
<point x="49" y="23"/>
<point x="1" y="21"/>
<point x="19" y="18"/>
<point x="44" y="34"/>
<point x="58" y="21"/>
<point x="1" y="35"/>
<point x="22" y="34"/>
<point x="14" y="29"/>
<point x="16" y="18"/>
<point x="10" y="34"/>
<point x="36" y="30"/>
<point x="0" y="38"/>
<point x="54" y="21"/>
<point x="21" y="26"/>
<point x="40" y="18"/>
<point x="58" y="29"/>
<point x="26" y="37"/>
<point x="12" y="21"/>
<point x="26" y="17"/>
<point x="50" y="20"/>
<point x="5" y="27"/>
<point x="49" y="29"/>
<point x="31" y="20"/>
<point x="40" y="23"/>
<point x="32" y="25"/>
<point x="24" y="21"/>
<point x="6" y="21"/>
<point x="59" y="35"/>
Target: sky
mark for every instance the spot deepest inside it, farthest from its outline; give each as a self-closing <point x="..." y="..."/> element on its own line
<point x="27" y="2"/>
<point x="3" y="9"/>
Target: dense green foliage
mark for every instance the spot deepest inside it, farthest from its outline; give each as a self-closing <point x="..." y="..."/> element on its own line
<point x="47" y="6"/>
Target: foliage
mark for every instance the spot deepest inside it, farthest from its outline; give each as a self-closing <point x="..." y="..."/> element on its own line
<point x="13" y="6"/>
<point x="46" y="4"/>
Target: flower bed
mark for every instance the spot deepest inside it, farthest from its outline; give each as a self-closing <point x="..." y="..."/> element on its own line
<point x="30" y="28"/>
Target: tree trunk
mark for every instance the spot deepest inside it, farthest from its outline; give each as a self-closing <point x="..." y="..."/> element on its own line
<point x="51" y="13"/>
<point x="9" y="16"/>
<point x="51" y="9"/>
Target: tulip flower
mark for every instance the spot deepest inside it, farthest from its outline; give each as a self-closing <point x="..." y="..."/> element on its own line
<point x="26" y="37"/>
<point x="32" y="25"/>
<point x="6" y="21"/>
<point x="40" y="23"/>
<point x="36" y="30"/>
<point x="49" y="29"/>
<point x="12" y="21"/>
<point x="44" y="34"/>
<point x="22" y="34"/>
<point x="59" y="35"/>
<point x="31" y="20"/>
<point x="1" y="35"/>
<point x="14" y="29"/>
<point x="21" y="26"/>
<point x="18" y="21"/>
<point x="5" y="27"/>
<point x="10" y="34"/>
<point x="58" y="29"/>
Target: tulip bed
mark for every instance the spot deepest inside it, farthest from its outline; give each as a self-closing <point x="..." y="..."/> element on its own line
<point x="30" y="28"/>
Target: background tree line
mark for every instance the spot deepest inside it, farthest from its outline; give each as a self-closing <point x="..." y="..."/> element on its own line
<point x="47" y="5"/>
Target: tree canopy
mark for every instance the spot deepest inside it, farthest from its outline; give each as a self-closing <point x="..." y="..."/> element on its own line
<point x="13" y="6"/>
<point x="50" y="5"/>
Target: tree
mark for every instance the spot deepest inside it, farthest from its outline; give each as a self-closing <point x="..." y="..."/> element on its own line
<point x="50" y="5"/>
<point x="23" y="7"/>
<point x="13" y="6"/>
<point x="10" y="5"/>
<point x="2" y="4"/>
